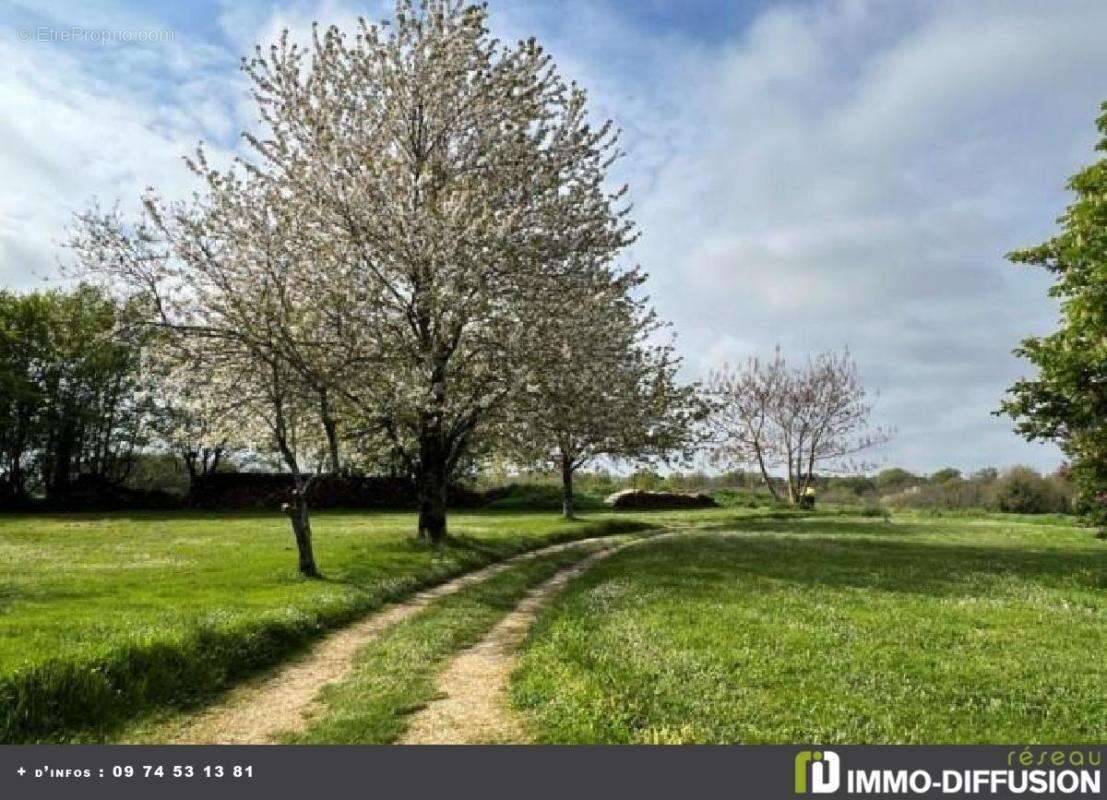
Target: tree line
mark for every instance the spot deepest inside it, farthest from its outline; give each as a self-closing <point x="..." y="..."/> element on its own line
<point x="72" y="409"/>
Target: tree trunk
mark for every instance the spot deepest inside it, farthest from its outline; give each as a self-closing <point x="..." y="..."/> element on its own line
<point x="567" y="509"/>
<point x="189" y="457"/>
<point x="297" y="510"/>
<point x="16" y="479"/>
<point x="765" y="473"/>
<point x="793" y="498"/>
<point x="332" y="445"/>
<point x="330" y="426"/>
<point x="432" y="490"/>
<point x="809" y="480"/>
<point x="300" y="518"/>
<point x="63" y="461"/>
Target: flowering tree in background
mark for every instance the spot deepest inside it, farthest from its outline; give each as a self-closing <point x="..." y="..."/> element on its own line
<point x="195" y="417"/>
<point x="770" y="415"/>
<point x="597" y="387"/>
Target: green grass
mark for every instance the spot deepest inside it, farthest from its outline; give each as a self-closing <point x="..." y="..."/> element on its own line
<point x="105" y="616"/>
<point x="395" y="675"/>
<point x="831" y="629"/>
<point x="542" y="497"/>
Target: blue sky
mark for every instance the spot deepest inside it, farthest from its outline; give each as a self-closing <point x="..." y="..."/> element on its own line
<point x="814" y="174"/>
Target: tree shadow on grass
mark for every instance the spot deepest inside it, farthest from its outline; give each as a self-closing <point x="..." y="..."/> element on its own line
<point x="885" y="565"/>
<point x="817" y="526"/>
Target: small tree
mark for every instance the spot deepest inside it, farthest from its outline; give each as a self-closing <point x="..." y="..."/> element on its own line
<point x="205" y="275"/>
<point x="805" y="419"/>
<point x="741" y="428"/>
<point x="596" y="387"/>
<point x="197" y="416"/>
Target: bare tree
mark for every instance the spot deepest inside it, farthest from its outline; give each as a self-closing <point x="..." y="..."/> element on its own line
<point x="804" y="420"/>
<point x="740" y="426"/>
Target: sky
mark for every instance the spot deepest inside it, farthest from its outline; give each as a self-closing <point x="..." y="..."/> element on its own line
<point x="817" y="175"/>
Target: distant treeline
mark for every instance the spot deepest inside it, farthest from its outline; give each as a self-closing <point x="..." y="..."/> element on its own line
<point x="73" y="414"/>
<point x="83" y="425"/>
<point x="1019" y="489"/>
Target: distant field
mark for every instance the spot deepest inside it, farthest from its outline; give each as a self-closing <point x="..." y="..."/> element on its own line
<point x="929" y="629"/>
<point x="102" y="614"/>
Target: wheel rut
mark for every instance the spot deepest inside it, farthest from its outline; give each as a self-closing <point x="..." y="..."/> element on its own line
<point x="282" y="701"/>
<point x="474" y="704"/>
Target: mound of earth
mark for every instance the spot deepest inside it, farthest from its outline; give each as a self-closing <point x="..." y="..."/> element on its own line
<point x="638" y="499"/>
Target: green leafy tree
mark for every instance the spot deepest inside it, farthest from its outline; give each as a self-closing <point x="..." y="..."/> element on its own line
<point x="1067" y="401"/>
<point x="72" y="396"/>
<point x="1021" y="490"/>
<point x="946" y="475"/>
<point x="895" y="479"/>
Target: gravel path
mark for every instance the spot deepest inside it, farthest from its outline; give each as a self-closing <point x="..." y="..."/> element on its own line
<point x="474" y="707"/>
<point x="281" y="702"/>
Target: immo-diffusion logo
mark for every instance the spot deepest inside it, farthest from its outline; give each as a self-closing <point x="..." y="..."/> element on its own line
<point x="825" y="768"/>
<point x="1062" y="773"/>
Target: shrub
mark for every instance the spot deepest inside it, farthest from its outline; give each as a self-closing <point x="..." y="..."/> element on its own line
<point x="741" y="498"/>
<point x="950" y="494"/>
<point x="646" y="480"/>
<point x="946" y="475"/>
<point x="858" y="485"/>
<point x="95" y="493"/>
<point x="840" y="495"/>
<point x="873" y="510"/>
<point x="597" y="483"/>
<point x="1021" y="490"/>
<point x="896" y="480"/>
<point x="536" y="497"/>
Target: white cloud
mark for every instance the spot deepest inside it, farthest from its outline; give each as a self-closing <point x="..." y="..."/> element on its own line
<point x="97" y="121"/>
<point x="839" y="172"/>
<point x="860" y="169"/>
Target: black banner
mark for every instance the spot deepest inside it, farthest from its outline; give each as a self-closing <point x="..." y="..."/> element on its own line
<point x="535" y="773"/>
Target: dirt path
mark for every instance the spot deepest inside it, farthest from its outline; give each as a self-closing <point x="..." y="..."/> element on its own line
<point x="257" y="711"/>
<point x="474" y="707"/>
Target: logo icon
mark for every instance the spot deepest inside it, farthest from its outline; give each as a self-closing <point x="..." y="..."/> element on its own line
<point x="825" y="769"/>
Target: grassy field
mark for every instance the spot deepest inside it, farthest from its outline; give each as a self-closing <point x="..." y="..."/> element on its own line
<point x="104" y="615"/>
<point x="757" y="626"/>
<point x="928" y="629"/>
